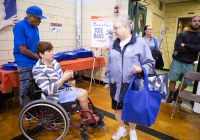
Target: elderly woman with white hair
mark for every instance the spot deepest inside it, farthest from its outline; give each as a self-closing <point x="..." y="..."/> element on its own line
<point x="126" y="56"/>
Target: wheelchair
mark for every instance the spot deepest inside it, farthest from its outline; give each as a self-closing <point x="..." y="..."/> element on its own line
<point x="44" y="119"/>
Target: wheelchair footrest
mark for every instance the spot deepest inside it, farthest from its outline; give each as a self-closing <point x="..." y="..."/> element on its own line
<point x="99" y="125"/>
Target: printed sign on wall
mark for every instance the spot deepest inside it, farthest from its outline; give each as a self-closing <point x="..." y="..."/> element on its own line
<point x="56" y="27"/>
<point x="101" y="32"/>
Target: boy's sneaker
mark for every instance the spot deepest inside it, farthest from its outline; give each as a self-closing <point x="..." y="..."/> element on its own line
<point x="133" y="135"/>
<point x="120" y="133"/>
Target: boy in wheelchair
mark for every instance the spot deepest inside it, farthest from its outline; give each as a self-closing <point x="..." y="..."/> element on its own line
<point x="55" y="93"/>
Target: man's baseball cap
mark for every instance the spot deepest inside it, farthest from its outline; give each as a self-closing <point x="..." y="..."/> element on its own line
<point x="34" y="10"/>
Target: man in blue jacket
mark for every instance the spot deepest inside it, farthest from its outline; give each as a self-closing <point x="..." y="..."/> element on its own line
<point x="26" y="37"/>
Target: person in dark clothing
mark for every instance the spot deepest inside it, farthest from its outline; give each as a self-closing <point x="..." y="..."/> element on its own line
<point x="187" y="47"/>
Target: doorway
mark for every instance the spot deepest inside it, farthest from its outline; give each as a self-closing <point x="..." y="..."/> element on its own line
<point x="156" y="25"/>
<point x="182" y="24"/>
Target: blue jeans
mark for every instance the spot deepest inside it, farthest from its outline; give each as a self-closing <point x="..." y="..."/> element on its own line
<point x="24" y="73"/>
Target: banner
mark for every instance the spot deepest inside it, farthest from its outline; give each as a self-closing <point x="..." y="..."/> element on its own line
<point x="101" y="32"/>
<point x="8" y="13"/>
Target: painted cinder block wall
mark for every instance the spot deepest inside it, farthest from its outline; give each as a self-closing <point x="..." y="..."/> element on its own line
<point x="106" y="8"/>
<point x="173" y="12"/>
<point x="56" y="11"/>
<point x="64" y="12"/>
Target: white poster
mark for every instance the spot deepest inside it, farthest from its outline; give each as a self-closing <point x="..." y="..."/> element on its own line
<point x="101" y="32"/>
<point x="56" y="27"/>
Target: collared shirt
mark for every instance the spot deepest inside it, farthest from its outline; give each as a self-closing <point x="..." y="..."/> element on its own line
<point x="27" y="35"/>
<point x="152" y="42"/>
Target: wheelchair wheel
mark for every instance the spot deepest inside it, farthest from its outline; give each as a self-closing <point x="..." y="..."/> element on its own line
<point x="84" y="136"/>
<point x="43" y="119"/>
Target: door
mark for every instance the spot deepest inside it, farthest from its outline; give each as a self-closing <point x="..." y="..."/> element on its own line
<point x="140" y="18"/>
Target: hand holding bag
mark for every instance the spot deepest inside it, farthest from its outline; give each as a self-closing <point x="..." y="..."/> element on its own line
<point x="141" y="107"/>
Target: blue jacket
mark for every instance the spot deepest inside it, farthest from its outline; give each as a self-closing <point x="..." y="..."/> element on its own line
<point x="119" y="65"/>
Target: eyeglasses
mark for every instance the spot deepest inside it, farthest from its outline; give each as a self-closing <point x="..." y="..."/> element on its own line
<point x="149" y="29"/>
<point x="115" y="29"/>
<point x="37" y="17"/>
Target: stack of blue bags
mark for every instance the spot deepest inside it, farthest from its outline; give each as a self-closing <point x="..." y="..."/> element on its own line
<point x="9" y="66"/>
<point x="58" y="56"/>
<point x="82" y="53"/>
<point x="71" y="55"/>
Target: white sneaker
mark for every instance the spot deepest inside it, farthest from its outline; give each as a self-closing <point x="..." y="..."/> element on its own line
<point x="133" y="135"/>
<point x="120" y="133"/>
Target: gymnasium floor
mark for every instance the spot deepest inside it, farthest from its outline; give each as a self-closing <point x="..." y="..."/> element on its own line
<point x="181" y="127"/>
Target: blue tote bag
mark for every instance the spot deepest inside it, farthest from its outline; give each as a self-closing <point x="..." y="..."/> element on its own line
<point x="141" y="107"/>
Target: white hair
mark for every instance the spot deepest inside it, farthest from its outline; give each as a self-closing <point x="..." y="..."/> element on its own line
<point x="125" y="20"/>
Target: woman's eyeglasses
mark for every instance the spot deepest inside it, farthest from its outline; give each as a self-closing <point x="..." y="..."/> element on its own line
<point x="37" y="17"/>
<point x="149" y="29"/>
<point x="115" y="29"/>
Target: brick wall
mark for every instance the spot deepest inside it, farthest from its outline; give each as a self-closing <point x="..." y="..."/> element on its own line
<point x="56" y="11"/>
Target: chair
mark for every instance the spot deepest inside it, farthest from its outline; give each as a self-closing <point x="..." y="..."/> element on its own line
<point x="188" y="95"/>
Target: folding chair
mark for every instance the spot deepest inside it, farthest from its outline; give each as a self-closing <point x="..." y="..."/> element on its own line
<point x="188" y="95"/>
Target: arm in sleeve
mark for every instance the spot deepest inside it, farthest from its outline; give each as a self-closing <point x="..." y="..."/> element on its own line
<point x="41" y="79"/>
<point x="177" y="44"/>
<point x="107" y="71"/>
<point x="195" y="48"/>
<point x="146" y="59"/>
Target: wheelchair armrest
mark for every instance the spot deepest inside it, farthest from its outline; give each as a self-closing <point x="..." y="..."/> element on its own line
<point x="36" y="91"/>
<point x="26" y="79"/>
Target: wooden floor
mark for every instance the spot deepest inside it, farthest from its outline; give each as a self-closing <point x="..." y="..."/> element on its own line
<point x="181" y="127"/>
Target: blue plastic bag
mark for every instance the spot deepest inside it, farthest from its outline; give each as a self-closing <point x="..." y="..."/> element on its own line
<point x="141" y="107"/>
<point x="58" y="57"/>
<point x="82" y="53"/>
<point x="70" y="55"/>
<point x="9" y="66"/>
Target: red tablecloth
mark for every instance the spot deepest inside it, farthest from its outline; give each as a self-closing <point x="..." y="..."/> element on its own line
<point x="11" y="78"/>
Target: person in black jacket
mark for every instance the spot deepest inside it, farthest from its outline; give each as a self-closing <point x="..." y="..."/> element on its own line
<point x="186" y="49"/>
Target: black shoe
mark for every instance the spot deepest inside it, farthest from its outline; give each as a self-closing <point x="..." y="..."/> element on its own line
<point x="175" y="94"/>
<point x="170" y="98"/>
<point x="180" y="101"/>
<point x="100" y="123"/>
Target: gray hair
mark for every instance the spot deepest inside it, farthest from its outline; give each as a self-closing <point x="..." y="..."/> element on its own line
<point x="125" y="20"/>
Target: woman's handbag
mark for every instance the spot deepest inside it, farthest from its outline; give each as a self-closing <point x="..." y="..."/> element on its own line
<point x="141" y="107"/>
<point x="157" y="82"/>
<point x="157" y="56"/>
